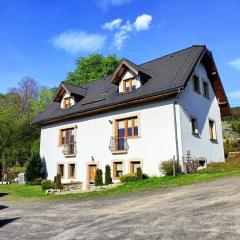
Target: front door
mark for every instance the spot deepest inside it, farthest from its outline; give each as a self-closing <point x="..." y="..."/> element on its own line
<point x="92" y="172"/>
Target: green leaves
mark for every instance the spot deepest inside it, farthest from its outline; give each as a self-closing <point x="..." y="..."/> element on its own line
<point x="92" y="67"/>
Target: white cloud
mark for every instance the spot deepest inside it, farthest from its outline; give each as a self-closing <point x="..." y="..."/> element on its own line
<point x="79" y="41"/>
<point x="235" y="64"/>
<point x="235" y="94"/>
<point x="113" y="24"/>
<point x="143" y="22"/>
<point x="105" y="4"/>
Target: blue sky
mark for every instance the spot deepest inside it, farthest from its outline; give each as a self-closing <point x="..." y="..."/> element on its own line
<point x="43" y="38"/>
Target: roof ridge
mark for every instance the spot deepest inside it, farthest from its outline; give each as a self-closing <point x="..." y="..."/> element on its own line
<point x="184" y="49"/>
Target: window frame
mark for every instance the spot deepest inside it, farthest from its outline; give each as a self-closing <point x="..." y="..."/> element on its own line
<point x="114" y="167"/>
<point x="72" y="131"/>
<point x="67" y="102"/>
<point x="69" y="169"/>
<point x="58" y="170"/>
<point x="131" y="165"/>
<point x="194" y="127"/>
<point x="212" y="130"/>
<point x="205" y="83"/>
<point x="198" y="91"/>
<point x="130" y="80"/>
<point x="126" y="119"/>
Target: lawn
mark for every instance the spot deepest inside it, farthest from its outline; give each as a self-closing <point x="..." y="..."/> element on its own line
<point x="214" y="171"/>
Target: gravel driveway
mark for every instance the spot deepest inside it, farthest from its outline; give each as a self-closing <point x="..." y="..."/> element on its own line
<point x="203" y="211"/>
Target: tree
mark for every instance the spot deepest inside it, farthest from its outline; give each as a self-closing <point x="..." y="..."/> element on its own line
<point x="35" y="169"/>
<point x="98" y="181"/>
<point x="91" y="68"/>
<point x="108" y="178"/>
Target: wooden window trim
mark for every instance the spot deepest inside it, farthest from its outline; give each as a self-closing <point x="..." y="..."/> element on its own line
<point x="212" y="130"/>
<point x="130" y="80"/>
<point x="132" y="118"/>
<point x="58" y="169"/>
<point x="72" y="177"/>
<point x="67" y="102"/>
<point x="115" y="177"/>
<point x="61" y="134"/>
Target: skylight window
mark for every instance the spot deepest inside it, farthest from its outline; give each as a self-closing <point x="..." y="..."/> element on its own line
<point x="106" y="89"/>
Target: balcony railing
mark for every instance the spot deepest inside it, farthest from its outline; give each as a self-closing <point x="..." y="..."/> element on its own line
<point x="69" y="149"/>
<point x="118" y="144"/>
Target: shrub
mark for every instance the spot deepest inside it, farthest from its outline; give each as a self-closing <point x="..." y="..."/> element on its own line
<point x="58" y="182"/>
<point x="131" y="177"/>
<point x="35" y="168"/>
<point x="18" y="169"/>
<point x="98" y="181"/>
<point x="192" y="166"/>
<point x="139" y="173"/>
<point x="47" y="184"/>
<point x="145" y="176"/>
<point x="8" y="174"/>
<point x="108" y="178"/>
<point x="167" y="167"/>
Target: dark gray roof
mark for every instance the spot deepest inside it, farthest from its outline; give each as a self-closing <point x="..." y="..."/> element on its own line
<point x="167" y="74"/>
<point x="75" y="90"/>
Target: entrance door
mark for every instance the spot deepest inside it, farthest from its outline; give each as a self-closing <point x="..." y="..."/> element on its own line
<point x="92" y="172"/>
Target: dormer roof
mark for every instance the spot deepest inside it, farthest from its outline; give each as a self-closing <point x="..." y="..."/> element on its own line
<point x="72" y="90"/>
<point x="124" y="65"/>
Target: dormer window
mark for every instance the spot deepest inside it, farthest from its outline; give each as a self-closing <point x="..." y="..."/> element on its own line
<point x="66" y="102"/>
<point x="129" y="85"/>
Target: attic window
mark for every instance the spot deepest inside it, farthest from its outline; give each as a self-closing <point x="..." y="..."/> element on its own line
<point x="66" y="103"/>
<point x="129" y="85"/>
<point x="196" y="84"/>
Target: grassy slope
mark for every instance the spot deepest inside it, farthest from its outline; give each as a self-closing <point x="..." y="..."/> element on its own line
<point x="213" y="172"/>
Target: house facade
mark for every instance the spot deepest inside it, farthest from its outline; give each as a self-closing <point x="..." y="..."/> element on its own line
<point x="139" y="116"/>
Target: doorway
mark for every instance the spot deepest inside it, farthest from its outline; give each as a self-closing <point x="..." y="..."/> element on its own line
<point x="92" y="172"/>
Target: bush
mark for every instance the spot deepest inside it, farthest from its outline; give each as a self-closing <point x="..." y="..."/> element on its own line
<point x="18" y="169"/>
<point x="98" y="181"/>
<point x="144" y="176"/>
<point x="167" y="167"/>
<point x="131" y="177"/>
<point x="58" y="182"/>
<point x="108" y="178"/>
<point x="192" y="166"/>
<point x="35" y="168"/>
<point x="139" y="173"/>
<point x="47" y="184"/>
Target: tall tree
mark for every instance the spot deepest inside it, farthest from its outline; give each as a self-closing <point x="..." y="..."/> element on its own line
<point x="91" y="68"/>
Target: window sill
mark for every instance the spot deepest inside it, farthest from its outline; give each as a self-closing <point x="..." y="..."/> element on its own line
<point x="197" y="135"/>
<point x="70" y="155"/>
<point x="213" y="140"/>
<point x="72" y="178"/>
<point x="196" y="91"/>
<point x="207" y="97"/>
<point x="119" y="152"/>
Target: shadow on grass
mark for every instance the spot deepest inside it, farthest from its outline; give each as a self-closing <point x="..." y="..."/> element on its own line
<point x="4" y="222"/>
<point x="3" y="194"/>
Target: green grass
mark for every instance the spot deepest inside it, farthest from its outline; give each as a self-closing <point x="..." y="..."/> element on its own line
<point x="34" y="192"/>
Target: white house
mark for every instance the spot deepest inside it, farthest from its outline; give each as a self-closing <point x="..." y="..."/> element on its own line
<point x="139" y="116"/>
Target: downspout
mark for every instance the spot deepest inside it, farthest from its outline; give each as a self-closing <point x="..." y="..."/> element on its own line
<point x="175" y="124"/>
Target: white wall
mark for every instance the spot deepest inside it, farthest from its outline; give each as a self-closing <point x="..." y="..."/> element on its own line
<point x="191" y="104"/>
<point x="155" y="144"/>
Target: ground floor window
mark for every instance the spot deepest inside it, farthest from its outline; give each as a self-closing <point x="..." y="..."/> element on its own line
<point x="134" y="166"/>
<point x="60" y="170"/>
<point x="71" y="170"/>
<point x="117" y="169"/>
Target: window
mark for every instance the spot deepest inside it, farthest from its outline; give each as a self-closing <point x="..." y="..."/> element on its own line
<point x="129" y="85"/>
<point x="60" y="170"/>
<point x="134" y="166"/>
<point x="117" y="169"/>
<point x="127" y="127"/>
<point x="212" y="130"/>
<point x="71" y="170"/>
<point x="205" y="89"/>
<point x="66" y="136"/>
<point x="66" y="102"/>
<point x="194" y="125"/>
<point x="196" y="84"/>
